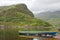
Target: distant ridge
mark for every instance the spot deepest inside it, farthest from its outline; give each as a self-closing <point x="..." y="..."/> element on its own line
<point x="51" y="17"/>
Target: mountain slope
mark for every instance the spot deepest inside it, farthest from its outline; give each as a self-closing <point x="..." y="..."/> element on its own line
<point x="19" y="15"/>
<point x="51" y="17"/>
<point x="19" y="7"/>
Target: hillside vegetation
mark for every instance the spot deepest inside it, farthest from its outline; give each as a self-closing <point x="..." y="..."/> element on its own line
<point x="13" y="17"/>
<point x="19" y="15"/>
<point x="51" y="17"/>
<point x="54" y="21"/>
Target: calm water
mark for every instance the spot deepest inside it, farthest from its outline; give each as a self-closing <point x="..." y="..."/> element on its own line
<point x="35" y="39"/>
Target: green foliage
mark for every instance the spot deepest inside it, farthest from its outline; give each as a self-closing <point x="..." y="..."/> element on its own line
<point x="19" y="15"/>
<point x="51" y="17"/>
<point x="16" y="16"/>
<point x="55" y="22"/>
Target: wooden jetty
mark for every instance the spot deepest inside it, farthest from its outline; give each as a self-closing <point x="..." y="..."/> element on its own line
<point x="40" y="35"/>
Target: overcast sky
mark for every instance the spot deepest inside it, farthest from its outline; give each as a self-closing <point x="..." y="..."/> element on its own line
<point x="35" y="6"/>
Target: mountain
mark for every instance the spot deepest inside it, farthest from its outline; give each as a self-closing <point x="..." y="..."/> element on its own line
<point x="51" y="17"/>
<point x="19" y="7"/>
<point x="19" y="15"/>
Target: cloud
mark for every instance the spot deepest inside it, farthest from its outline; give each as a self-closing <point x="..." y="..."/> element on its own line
<point x="36" y="6"/>
<point x="10" y="2"/>
<point x="45" y="5"/>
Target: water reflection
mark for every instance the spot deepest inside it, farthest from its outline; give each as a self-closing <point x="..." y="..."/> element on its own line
<point x="36" y="39"/>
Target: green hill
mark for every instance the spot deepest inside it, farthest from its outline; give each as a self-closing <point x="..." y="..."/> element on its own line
<point x="51" y="17"/>
<point x="55" y="21"/>
<point x="17" y="17"/>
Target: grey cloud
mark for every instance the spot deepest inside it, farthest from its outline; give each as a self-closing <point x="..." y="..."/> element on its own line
<point x="45" y="5"/>
<point x="36" y="6"/>
<point x="10" y="2"/>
